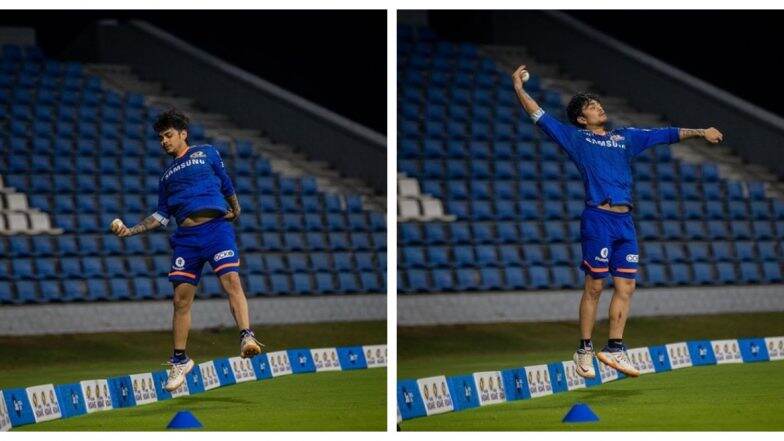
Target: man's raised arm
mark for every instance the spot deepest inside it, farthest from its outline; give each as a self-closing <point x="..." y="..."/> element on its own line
<point x="149" y="223"/>
<point x="710" y="134"/>
<point x="528" y="103"/>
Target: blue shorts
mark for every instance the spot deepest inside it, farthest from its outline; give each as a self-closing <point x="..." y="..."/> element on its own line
<point x="212" y="241"/>
<point x="609" y="244"/>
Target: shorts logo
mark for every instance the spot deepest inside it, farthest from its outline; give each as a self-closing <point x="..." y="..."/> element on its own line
<point x="223" y="255"/>
<point x="179" y="263"/>
<point x="198" y="154"/>
<point x="632" y="258"/>
<point x="604" y="253"/>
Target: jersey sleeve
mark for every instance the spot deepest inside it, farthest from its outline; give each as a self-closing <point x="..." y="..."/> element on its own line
<point x="227" y="188"/>
<point x="641" y="139"/>
<point x="162" y="212"/>
<point x="559" y="132"/>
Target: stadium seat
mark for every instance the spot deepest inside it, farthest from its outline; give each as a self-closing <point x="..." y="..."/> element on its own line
<point x="467" y="279"/>
<point x="750" y="272"/>
<point x="653" y="275"/>
<point x="771" y="272"/>
<point x="703" y="274"/>
<point x="490" y="279"/>
<point x="347" y="282"/>
<point x="539" y="277"/>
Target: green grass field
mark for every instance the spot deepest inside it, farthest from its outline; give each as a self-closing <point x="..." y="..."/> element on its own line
<point x="351" y="400"/>
<point x="726" y="397"/>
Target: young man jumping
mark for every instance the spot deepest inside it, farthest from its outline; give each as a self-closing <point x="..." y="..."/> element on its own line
<point x="609" y="245"/>
<point x="196" y="190"/>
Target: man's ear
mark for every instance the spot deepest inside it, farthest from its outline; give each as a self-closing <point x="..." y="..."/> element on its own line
<point x="184" y="134"/>
<point x="582" y="120"/>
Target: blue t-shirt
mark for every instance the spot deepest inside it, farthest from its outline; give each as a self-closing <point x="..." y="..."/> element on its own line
<point x="193" y="182"/>
<point x="604" y="161"/>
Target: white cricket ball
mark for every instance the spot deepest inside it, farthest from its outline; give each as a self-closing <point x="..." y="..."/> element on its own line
<point x="526" y="76"/>
<point x="117" y="222"/>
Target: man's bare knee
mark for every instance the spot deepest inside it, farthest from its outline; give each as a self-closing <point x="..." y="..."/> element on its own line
<point x="182" y="301"/>
<point x="231" y="283"/>
<point x="624" y="287"/>
<point x="593" y="288"/>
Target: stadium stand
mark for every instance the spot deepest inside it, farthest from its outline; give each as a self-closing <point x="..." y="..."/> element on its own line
<point x="488" y="202"/>
<point x="77" y="150"/>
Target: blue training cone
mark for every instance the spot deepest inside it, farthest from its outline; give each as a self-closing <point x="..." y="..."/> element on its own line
<point x="184" y="420"/>
<point x="580" y="413"/>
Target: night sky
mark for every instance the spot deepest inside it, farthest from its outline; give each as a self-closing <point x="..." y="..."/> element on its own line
<point x="334" y="58"/>
<point x="733" y="50"/>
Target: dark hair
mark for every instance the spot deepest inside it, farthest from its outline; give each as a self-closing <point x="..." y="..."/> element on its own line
<point x="171" y="119"/>
<point x="575" y="108"/>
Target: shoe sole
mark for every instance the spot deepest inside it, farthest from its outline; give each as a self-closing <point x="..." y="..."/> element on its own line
<point x="578" y="371"/>
<point x="250" y="351"/>
<point x="610" y="362"/>
<point x="183" y="378"/>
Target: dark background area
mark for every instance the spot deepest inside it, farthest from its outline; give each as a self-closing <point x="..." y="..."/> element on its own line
<point x="334" y="58"/>
<point x="733" y="50"/>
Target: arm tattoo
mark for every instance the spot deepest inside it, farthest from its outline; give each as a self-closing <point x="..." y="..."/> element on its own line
<point x="234" y="203"/>
<point x="691" y="133"/>
<point x="149" y="223"/>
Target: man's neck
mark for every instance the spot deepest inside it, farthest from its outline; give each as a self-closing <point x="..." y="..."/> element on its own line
<point x="597" y="130"/>
<point x="180" y="153"/>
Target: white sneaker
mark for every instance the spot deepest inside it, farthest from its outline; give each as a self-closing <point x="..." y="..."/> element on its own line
<point x="618" y="360"/>
<point x="177" y="373"/>
<point x="250" y="347"/>
<point x="583" y="360"/>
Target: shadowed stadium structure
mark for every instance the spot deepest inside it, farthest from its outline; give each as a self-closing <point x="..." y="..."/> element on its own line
<point x="487" y="202"/>
<point x="77" y="150"/>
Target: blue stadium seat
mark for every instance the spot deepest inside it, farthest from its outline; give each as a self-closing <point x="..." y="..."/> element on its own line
<point x="559" y="255"/>
<point x="280" y="284"/>
<point x="762" y="231"/>
<point x="324" y="283"/>
<point x="563" y="277"/>
<point x="771" y="272"/>
<point x="22" y="269"/>
<point x="491" y="279"/>
<point x="653" y="252"/>
<point x="275" y="263"/>
<point x="45" y="268"/>
<point x="257" y="285"/>
<point x="679" y="274"/>
<point x="347" y="282"/>
<point x="722" y="252"/>
<point x="118" y="288"/>
<point x="369" y="282"/>
<point x="303" y="283"/>
<point x="726" y="273"/>
<point x="482" y="233"/>
<point x="49" y="290"/>
<point x="768" y="251"/>
<point x="142" y="288"/>
<point x="73" y="291"/>
<point x="703" y="274"/>
<point x="70" y="267"/>
<point x="97" y="290"/>
<point x="467" y="279"/>
<point x="115" y="266"/>
<point x="443" y="280"/>
<point x="675" y="252"/>
<point x="438" y="257"/>
<point x="27" y="292"/>
<point x="539" y="277"/>
<point x="698" y="251"/>
<point x="410" y="234"/>
<point x="750" y="272"/>
<point x="92" y="267"/>
<point x="653" y="275"/>
<point x="514" y="279"/>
